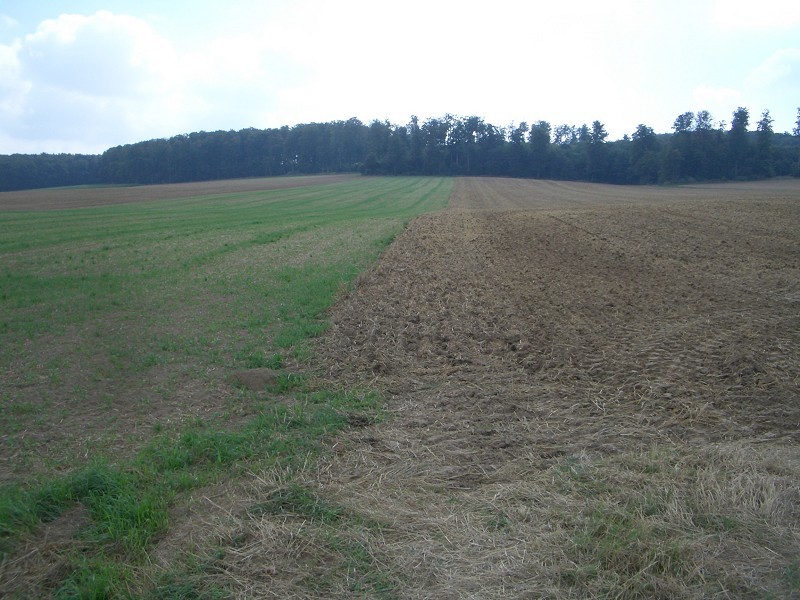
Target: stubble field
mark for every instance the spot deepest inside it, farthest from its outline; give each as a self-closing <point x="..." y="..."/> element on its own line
<point x="593" y="392"/>
<point x="588" y="391"/>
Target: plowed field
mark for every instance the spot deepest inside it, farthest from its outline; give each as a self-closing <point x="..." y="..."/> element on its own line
<point x="676" y="316"/>
<point x="556" y="353"/>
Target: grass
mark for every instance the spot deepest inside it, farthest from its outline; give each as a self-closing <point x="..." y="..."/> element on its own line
<point x="120" y="327"/>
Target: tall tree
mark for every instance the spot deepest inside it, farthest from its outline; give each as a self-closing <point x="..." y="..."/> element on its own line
<point x="416" y="145"/>
<point x="539" y="140"/>
<point x="683" y="122"/>
<point x="598" y="153"/>
<point x="706" y="156"/>
<point x="434" y="154"/>
<point x="518" y="153"/>
<point x="644" y="155"/>
<point x="738" y="144"/>
<point x="564" y="134"/>
<point x="764" y="145"/>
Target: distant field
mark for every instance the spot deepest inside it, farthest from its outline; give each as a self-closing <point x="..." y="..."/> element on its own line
<point x="82" y="197"/>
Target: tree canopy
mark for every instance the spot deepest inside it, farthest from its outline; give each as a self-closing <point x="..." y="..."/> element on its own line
<point x="698" y="149"/>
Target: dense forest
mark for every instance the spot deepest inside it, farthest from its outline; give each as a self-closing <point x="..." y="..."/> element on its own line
<point x="698" y="149"/>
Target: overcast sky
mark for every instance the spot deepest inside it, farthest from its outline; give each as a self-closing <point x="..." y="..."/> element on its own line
<point x="86" y="75"/>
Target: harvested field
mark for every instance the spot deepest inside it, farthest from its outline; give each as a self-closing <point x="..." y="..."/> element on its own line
<point x="84" y="197"/>
<point x="592" y="391"/>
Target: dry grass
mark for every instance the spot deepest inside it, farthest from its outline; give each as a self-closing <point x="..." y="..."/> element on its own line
<point x="662" y="523"/>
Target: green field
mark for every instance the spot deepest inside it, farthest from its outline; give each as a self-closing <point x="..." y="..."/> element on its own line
<point x="124" y="329"/>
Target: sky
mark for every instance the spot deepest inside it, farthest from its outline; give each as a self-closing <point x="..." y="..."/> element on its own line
<point x="81" y="76"/>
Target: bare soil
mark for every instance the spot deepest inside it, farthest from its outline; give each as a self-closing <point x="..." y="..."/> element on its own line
<point x="538" y="328"/>
<point x="552" y="317"/>
<point x="85" y="197"/>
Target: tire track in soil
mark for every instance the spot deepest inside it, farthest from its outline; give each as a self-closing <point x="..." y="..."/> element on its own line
<point x="538" y="329"/>
<point x="598" y="338"/>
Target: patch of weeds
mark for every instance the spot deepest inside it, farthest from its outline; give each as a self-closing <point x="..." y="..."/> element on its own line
<point x="579" y="474"/>
<point x="196" y="446"/>
<point x="95" y="578"/>
<point x="302" y="352"/>
<point x="297" y="500"/>
<point x="275" y="361"/>
<point x="286" y="382"/>
<point x="22" y="408"/>
<point x="364" y="575"/>
<point x="150" y="360"/>
<point x="497" y="520"/>
<point x="342" y="538"/>
<point x="791" y="575"/>
<point x="14" y="415"/>
<point x="713" y="523"/>
<point x="120" y="512"/>
<point x="22" y="509"/>
<point x="131" y="517"/>
<point x="174" y="586"/>
<point x="255" y="360"/>
<point x="653" y="504"/>
<point x="624" y="551"/>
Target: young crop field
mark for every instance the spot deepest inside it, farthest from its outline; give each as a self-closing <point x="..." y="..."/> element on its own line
<point x="144" y="355"/>
<point x="545" y="389"/>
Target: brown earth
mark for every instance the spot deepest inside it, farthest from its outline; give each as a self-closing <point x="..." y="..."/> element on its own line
<point x="552" y="317"/>
<point x="539" y="328"/>
<point x="84" y="197"/>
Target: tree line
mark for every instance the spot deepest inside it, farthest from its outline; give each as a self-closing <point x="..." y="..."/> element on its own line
<point x="698" y="149"/>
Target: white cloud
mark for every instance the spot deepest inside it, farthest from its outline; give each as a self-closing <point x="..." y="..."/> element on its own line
<point x="749" y="15"/>
<point x="90" y="82"/>
<point x="705" y="95"/>
<point x="96" y="81"/>
<point x="12" y="88"/>
<point x="80" y="81"/>
<point x="100" y="55"/>
<point x="8" y="22"/>
<point x="783" y="67"/>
